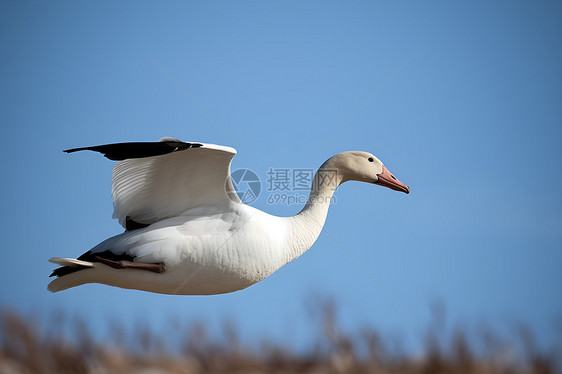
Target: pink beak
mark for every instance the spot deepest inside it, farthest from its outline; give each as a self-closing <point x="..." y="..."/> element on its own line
<point x="388" y="180"/>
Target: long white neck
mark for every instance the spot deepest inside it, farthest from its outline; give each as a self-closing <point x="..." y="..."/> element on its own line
<point x="307" y="224"/>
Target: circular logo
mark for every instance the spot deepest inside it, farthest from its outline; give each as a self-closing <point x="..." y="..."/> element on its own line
<point x="246" y="184"/>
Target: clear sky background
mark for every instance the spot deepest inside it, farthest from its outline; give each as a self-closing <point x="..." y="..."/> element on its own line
<point x="462" y="101"/>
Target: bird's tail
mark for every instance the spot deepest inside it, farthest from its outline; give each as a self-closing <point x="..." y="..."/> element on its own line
<point x="70" y="262"/>
<point x="68" y="275"/>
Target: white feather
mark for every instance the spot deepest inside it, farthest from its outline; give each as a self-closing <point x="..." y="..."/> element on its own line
<point x="72" y="262"/>
<point x="151" y="189"/>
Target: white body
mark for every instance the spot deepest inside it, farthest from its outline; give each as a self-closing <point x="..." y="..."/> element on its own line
<point x="204" y="253"/>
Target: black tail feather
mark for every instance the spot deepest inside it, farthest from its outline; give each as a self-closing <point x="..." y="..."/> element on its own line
<point x="65" y="270"/>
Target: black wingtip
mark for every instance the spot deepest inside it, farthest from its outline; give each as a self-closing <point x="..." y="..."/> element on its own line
<point x="72" y="150"/>
<point x="123" y="151"/>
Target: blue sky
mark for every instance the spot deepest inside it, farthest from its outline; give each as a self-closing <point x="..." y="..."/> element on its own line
<point x="460" y="100"/>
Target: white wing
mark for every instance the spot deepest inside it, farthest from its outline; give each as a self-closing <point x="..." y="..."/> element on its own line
<point x="151" y="189"/>
<point x="160" y="180"/>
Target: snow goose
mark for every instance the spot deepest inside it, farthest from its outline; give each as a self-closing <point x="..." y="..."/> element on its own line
<point x="186" y="230"/>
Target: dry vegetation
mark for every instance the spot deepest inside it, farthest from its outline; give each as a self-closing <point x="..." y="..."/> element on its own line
<point x="23" y="349"/>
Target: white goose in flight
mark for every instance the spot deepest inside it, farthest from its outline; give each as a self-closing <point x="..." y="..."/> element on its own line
<point x="187" y="231"/>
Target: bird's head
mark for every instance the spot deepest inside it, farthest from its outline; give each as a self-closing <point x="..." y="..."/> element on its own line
<point x="363" y="167"/>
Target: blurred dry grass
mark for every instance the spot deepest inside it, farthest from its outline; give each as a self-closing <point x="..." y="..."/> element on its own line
<point x="23" y="349"/>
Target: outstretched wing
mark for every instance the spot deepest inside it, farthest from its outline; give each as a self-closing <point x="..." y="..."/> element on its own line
<point x="159" y="180"/>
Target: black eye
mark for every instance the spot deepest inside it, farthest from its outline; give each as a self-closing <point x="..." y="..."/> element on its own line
<point x="371" y="159"/>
